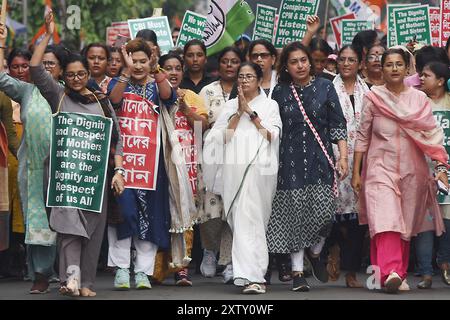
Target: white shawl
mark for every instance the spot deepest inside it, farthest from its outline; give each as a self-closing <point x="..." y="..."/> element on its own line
<point x="247" y="147"/>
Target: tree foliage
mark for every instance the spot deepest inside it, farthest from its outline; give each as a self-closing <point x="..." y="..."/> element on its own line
<point x="96" y="15"/>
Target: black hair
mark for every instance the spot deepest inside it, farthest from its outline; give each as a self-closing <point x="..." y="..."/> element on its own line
<point x="440" y="70"/>
<point x="318" y="44"/>
<point x="74" y="57"/>
<point x="268" y="45"/>
<point x="170" y="55"/>
<point x="60" y="52"/>
<point x="18" y="53"/>
<point x="194" y="42"/>
<point x="354" y="49"/>
<point x="85" y="51"/>
<point x="256" y="67"/>
<point x="374" y="46"/>
<point x="405" y="56"/>
<point x="283" y="74"/>
<point x="428" y="54"/>
<point x="365" y="39"/>
<point x="113" y="49"/>
<point x="230" y="49"/>
<point x="148" y="35"/>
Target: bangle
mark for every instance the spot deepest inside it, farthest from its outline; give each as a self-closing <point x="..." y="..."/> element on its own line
<point x="162" y="80"/>
<point x="3" y="47"/>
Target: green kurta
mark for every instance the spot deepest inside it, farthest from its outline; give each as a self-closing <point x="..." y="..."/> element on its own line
<point x="34" y="148"/>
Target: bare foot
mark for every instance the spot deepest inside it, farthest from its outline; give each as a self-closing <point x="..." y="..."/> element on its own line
<point x="86" y="292"/>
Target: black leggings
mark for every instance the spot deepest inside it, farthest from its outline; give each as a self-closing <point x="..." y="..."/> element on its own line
<point x="349" y="235"/>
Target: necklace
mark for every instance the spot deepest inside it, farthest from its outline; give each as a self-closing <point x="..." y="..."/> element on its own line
<point x="144" y="88"/>
<point x="224" y="94"/>
<point x="311" y="80"/>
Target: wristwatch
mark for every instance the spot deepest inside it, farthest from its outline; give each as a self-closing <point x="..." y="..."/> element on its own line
<point x="253" y="115"/>
<point x="120" y="171"/>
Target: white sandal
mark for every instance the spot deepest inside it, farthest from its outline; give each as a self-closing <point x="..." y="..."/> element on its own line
<point x="254" y="288"/>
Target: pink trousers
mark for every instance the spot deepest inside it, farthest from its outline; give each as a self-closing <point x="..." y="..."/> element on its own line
<point x="390" y="253"/>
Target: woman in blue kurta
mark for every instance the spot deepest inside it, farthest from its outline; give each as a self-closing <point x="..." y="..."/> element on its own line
<point x="304" y="202"/>
<point x="147" y="215"/>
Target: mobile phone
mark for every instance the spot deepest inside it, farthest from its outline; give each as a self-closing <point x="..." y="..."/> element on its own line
<point x="120" y="41"/>
<point x="442" y="188"/>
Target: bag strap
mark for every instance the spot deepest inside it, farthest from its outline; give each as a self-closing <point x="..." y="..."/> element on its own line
<point x="319" y="140"/>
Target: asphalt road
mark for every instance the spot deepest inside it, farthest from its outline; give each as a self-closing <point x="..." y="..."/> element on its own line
<point x="207" y="289"/>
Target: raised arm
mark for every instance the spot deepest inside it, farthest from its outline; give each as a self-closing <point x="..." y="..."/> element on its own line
<point x="40" y="48"/>
<point x="116" y="94"/>
<point x="312" y="26"/>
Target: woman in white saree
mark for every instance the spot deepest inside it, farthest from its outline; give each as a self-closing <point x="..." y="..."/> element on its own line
<point x="241" y="160"/>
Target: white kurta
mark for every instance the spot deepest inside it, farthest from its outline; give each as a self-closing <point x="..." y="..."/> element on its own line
<point x="249" y="173"/>
<point x="347" y="202"/>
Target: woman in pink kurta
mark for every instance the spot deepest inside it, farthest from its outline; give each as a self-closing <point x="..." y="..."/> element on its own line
<point x="397" y="194"/>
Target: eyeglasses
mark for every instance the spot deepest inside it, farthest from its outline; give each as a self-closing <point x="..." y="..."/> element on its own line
<point x="81" y="75"/>
<point x="248" y="77"/>
<point x="350" y="61"/>
<point x="50" y="64"/>
<point x="373" y="57"/>
<point x="228" y="62"/>
<point x="263" y="55"/>
<point x="17" y="66"/>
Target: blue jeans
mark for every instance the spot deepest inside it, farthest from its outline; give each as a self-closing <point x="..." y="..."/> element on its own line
<point x="424" y="253"/>
<point x="443" y="254"/>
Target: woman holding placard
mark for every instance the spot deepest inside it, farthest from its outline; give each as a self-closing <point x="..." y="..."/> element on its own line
<point x="79" y="231"/>
<point x="157" y="206"/>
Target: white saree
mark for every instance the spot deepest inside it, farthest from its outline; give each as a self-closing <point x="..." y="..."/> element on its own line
<point x="248" y="182"/>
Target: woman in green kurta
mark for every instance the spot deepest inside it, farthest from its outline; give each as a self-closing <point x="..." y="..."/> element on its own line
<point x="34" y="148"/>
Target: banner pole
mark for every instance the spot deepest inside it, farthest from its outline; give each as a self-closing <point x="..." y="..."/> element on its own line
<point x="326" y="19"/>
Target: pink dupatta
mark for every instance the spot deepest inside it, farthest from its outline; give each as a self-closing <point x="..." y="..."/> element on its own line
<point x="416" y="120"/>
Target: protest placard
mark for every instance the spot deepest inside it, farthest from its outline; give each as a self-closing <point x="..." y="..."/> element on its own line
<point x="435" y="16"/>
<point x="336" y="26"/>
<point x="140" y="129"/>
<point x="292" y="20"/>
<point x="412" y="23"/>
<point x="160" y="25"/>
<point x="79" y="151"/>
<point x="350" y="27"/>
<point x="265" y="22"/>
<point x="391" y="39"/>
<point x="442" y="118"/>
<point x="191" y="28"/>
<point x="114" y="30"/>
<point x="445" y="22"/>
<point x="361" y="9"/>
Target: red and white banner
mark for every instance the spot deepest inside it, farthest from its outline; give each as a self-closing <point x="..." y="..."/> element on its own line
<point x="336" y="26"/>
<point x="189" y="150"/>
<point x="445" y="22"/>
<point x="435" y="13"/>
<point x="116" y="29"/>
<point x="139" y="126"/>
